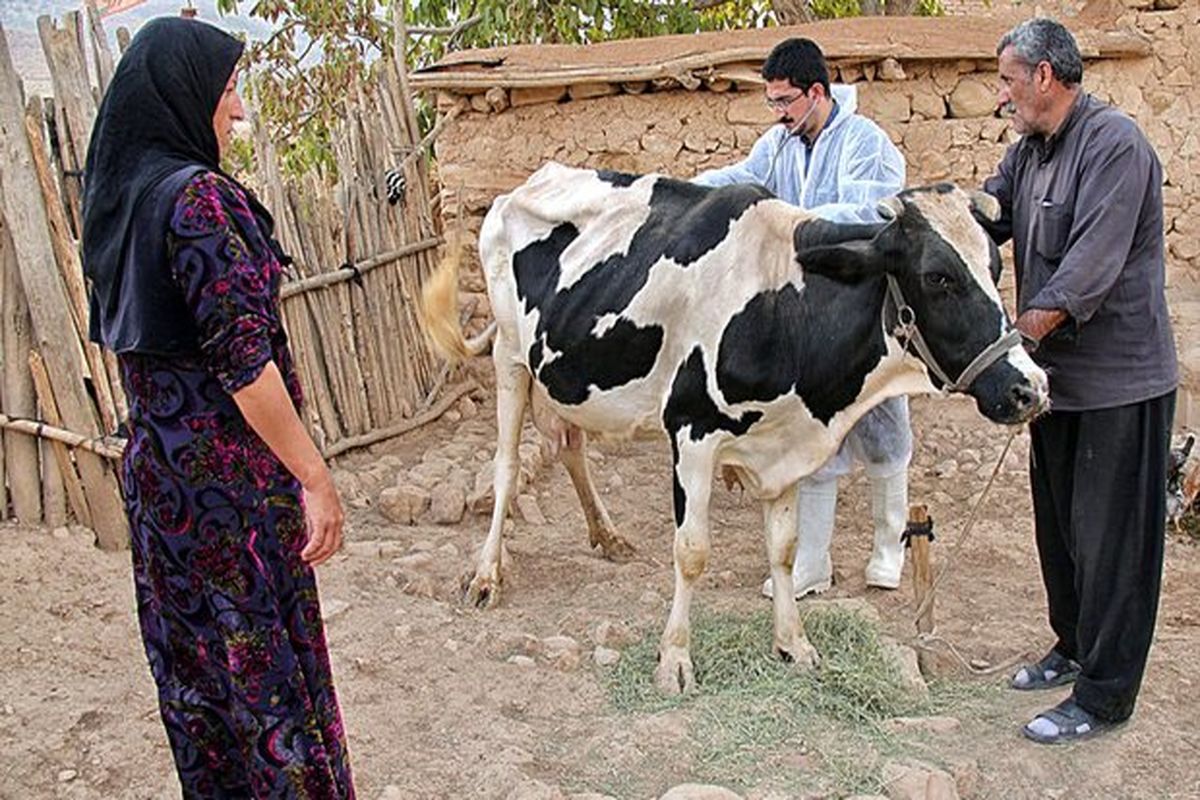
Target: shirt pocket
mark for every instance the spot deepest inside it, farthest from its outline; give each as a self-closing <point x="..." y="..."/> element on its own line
<point x="1053" y="229"/>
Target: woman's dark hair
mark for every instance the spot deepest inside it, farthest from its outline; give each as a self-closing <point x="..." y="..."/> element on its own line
<point x="800" y="62"/>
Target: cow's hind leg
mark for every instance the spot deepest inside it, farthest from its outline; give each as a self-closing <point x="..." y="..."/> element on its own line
<point x="693" y="487"/>
<point x="512" y="392"/>
<point x="601" y="532"/>
<point x="779" y="518"/>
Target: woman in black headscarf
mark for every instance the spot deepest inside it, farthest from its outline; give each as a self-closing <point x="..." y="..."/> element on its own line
<point x="230" y="504"/>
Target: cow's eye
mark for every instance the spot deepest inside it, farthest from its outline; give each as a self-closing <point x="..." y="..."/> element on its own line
<point x="939" y="281"/>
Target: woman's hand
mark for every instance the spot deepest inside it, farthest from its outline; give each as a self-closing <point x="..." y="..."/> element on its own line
<point x="268" y="409"/>
<point x="325" y="519"/>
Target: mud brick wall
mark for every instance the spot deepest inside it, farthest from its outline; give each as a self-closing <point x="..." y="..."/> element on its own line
<point x="939" y="113"/>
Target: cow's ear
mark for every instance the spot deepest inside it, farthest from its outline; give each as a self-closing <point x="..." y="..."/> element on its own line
<point x="843" y="252"/>
<point x="889" y="207"/>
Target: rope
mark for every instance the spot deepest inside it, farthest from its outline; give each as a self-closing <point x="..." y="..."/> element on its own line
<point x="926" y="641"/>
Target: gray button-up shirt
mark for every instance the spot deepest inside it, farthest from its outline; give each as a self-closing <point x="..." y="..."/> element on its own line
<point x="1084" y="210"/>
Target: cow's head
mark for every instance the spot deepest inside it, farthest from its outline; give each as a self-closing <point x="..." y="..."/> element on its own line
<point x="942" y="269"/>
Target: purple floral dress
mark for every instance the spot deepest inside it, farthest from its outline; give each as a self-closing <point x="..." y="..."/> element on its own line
<point x="228" y="611"/>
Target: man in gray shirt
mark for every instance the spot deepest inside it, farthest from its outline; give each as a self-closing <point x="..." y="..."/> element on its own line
<point x="1081" y="193"/>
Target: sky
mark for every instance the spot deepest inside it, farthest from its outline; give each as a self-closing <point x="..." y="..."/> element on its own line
<point x="19" y="20"/>
<point x="23" y="14"/>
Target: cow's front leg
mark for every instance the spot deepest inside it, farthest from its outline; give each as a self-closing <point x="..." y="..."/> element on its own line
<point x="693" y="485"/>
<point x="779" y="518"/>
<point x="512" y="392"/>
<point x="601" y="532"/>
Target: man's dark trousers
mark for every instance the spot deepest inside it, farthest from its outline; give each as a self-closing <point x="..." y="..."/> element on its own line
<point x="1099" y="499"/>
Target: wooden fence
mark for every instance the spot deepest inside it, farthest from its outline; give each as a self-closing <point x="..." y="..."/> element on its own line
<point x="349" y="310"/>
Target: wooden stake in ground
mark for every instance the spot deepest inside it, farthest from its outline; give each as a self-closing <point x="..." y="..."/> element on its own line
<point x="919" y="533"/>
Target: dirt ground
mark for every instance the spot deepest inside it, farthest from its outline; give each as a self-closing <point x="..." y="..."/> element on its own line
<point x="436" y="707"/>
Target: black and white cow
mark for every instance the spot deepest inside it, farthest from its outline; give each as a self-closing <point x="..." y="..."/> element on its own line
<point x="752" y="333"/>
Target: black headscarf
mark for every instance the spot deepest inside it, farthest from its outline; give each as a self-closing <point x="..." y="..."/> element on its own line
<point x="153" y="132"/>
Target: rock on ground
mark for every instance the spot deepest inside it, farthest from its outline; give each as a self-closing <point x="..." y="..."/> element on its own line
<point x="914" y="780"/>
<point x="699" y="791"/>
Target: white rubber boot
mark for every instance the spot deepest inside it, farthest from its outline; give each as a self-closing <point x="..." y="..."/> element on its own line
<point x="889" y="508"/>
<point x="816" y="509"/>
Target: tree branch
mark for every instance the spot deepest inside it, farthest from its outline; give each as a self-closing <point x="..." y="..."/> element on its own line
<point x="454" y="30"/>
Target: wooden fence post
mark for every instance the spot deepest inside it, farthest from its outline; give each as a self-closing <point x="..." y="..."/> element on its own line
<point x="20" y="451"/>
<point x="62" y="456"/>
<point x="48" y="304"/>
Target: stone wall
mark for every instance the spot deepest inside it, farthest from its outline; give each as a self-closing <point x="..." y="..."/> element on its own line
<point x="939" y="113"/>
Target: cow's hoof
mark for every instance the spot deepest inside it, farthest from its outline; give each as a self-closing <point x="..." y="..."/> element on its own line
<point x="674" y="674"/>
<point x="480" y="591"/>
<point x="614" y="547"/>
<point x="801" y="653"/>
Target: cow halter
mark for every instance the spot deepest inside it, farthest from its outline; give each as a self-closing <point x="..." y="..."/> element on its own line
<point x="906" y="326"/>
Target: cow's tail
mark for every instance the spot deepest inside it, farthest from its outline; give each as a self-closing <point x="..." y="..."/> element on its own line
<point x="437" y="310"/>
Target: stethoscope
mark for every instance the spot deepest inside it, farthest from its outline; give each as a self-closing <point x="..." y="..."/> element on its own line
<point x="792" y="134"/>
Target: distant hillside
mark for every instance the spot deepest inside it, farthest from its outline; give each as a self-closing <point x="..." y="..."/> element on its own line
<point x="19" y="18"/>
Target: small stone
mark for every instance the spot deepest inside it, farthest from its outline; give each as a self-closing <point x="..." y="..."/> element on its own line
<point x="699" y="791"/>
<point x="906" y="661"/>
<point x="432" y="470"/>
<point x="67" y="775"/>
<point x="332" y="607"/>
<point x="497" y="100"/>
<point x="530" y="511"/>
<point x="725" y="579"/>
<point x="521" y="661"/>
<point x="606" y="657"/>
<point x="447" y="501"/>
<point x="650" y="598"/>
<point x="966" y="777"/>
<point x="562" y="651"/>
<point x="480" y="500"/>
<point x="909" y="779"/>
<point x="521" y="644"/>
<point x="555" y="645"/>
<point x="391" y="792"/>
<point x="415" y="562"/>
<point x="62" y="534"/>
<point x="533" y="789"/>
<point x="945" y="469"/>
<point x="890" y="70"/>
<point x="451" y="645"/>
<point x="467" y="407"/>
<point x="607" y="633"/>
<point x="7" y="710"/>
<point x="927" y="724"/>
<point x="403" y="504"/>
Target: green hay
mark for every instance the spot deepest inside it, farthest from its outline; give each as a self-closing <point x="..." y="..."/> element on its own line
<point x="753" y="714"/>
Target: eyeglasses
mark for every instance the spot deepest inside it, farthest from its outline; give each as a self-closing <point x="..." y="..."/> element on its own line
<point x="781" y="103"/>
